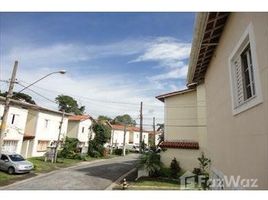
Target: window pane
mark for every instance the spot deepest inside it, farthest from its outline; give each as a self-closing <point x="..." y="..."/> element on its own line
<point x="248" y="81"/>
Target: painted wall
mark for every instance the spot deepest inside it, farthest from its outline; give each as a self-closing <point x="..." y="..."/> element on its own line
<point x="72" y="130"/>
<point x="84" y="136"/>
<point x="180" y="113"/>
<point x="186" y="158"/>
<point x="238" y="144"/>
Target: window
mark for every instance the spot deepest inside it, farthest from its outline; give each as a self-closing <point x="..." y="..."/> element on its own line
<point x="14" y="119"/>
<point x="245" y="85"/>
<point x="10" y="146"/>
<point x="46" y="123"/>
<point x="4" y="157"/>
<point x="42" y="145"/>
<point x="83" y="129"/>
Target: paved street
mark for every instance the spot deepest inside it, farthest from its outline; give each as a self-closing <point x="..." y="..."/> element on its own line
<point x="92" y="176"/>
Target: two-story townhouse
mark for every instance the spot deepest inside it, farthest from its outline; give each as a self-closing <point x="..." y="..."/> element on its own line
<point x="42" y="130"/>
<point x="80" y="127"/>
<point x="15" y="128"/>
<point x="132" y="136"/>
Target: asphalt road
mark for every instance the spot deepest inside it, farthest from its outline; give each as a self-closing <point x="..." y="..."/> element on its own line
<point x="90" y="176"/>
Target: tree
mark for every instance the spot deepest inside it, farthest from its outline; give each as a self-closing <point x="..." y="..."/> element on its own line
<point x="124" y="119"/>
<point x="103" y="133"/>
<point x="69" y="105"/>
<point x="151" y="163"/>
<point x="174" y="168"/>
<point x="96" y="146"/>
<point x="104" y="118"/>
<point x="20" y="96"/>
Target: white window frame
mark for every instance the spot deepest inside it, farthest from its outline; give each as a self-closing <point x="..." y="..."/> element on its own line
<point x="247" y="37"/>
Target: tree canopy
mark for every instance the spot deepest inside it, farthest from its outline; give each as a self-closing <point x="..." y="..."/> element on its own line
<point x="124" y="119"/>
<point x="19" y="96"/>
<point x="69" y="105"/>
<point x="104" y="118"/>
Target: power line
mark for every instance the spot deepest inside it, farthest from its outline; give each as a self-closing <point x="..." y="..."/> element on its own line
<point x="178" y="106"/>
<point x="37" y="93"/>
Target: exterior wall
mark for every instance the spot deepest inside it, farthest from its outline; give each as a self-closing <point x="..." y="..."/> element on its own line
<point x="187" y="158"/>
<point x="31" y="123"/>
<point x="50" y="133"/>
<point x="118" y="137"/>
<point x="180" y="110"/>
<point x="15" y="132"/>
<point x="238" y="144"/>
<point x="201" y="117"/>
<point x="72" y="130"/>
<point x="84" y="137"/>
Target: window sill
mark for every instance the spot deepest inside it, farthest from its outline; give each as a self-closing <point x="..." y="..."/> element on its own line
<point x="248" y="104"/>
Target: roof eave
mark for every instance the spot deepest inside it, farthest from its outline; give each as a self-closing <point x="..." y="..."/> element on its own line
<point x="200" y="21"/>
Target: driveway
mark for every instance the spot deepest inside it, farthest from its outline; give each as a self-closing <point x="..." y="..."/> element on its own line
<point x="90" y="176"/>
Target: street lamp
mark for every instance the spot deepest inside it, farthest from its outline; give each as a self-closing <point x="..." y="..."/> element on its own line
<point x="57" y="72"/>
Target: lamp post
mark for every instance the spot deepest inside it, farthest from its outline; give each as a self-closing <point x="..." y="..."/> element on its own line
<point x="9" y="96"/>
<point x="57" y="72"/>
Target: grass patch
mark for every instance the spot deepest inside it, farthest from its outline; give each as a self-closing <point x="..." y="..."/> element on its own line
<point x="40" y="166"/>
<point x="156" y="182"/>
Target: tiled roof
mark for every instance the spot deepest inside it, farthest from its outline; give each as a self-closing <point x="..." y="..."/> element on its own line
<point x="129" y="128"/>
<point x="180" y="145"/>
<point x="79" y="117"/>
<point x="171" y="94"/>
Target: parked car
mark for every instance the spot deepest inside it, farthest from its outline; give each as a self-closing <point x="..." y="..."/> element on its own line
<point x="14" y="163"/>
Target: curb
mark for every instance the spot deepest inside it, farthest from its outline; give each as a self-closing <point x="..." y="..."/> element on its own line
<point x="110" y="187"/>
<point x="54" y="171"/>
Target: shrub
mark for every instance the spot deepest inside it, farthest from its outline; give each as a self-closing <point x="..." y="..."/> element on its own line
<point x="150" y="162"/>
<point x="174" y="168"/>
<point x="118" y="152"/>
<point x="70" y="149"/>
<point x="96" y="146"/>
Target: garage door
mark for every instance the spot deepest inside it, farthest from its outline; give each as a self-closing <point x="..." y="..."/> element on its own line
<point x="10" y="146"/>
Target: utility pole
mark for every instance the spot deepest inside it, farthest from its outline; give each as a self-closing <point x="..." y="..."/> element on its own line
<point x="124" y="140"/>
<point x="141" y="121"/>
<point x="153" y="131"/>
<point x="7" y="102"/>
<point x="58" y="141"/>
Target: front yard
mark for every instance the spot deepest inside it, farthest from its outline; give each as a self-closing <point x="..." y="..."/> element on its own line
<point x="41" y="167"/>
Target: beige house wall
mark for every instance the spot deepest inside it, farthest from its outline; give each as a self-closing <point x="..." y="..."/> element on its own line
<point x="201" y="117"/>
<point x="180" y="113"/>
<point x="187" y="158"/>
<point x="238" y="144"/>
<point x="72" y="129"/>
<point x="185" y="119"/>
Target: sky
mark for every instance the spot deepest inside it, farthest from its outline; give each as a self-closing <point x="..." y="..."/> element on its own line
<point x="113" y="60"/>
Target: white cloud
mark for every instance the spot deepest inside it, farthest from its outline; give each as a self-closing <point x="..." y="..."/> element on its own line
<point x="34" y="62"/>
<point x="180" y="72"/>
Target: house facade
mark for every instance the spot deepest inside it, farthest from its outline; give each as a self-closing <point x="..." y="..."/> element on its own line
<point x="80" y="127"/>
<point x="42" y="131"/>
<point x="185" y="126"/>
<point x="229" y="57"/>
<point x="31" y="129"/>
<point x="132" y="136"/>
<point x="15" y="128"/>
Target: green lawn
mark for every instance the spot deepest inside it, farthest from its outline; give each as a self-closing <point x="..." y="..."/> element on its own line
<point x="40" y="167"/>
<point x="155" y="183"/>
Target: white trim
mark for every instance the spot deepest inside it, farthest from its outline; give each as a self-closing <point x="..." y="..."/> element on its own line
<point x="257" y="98"/>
